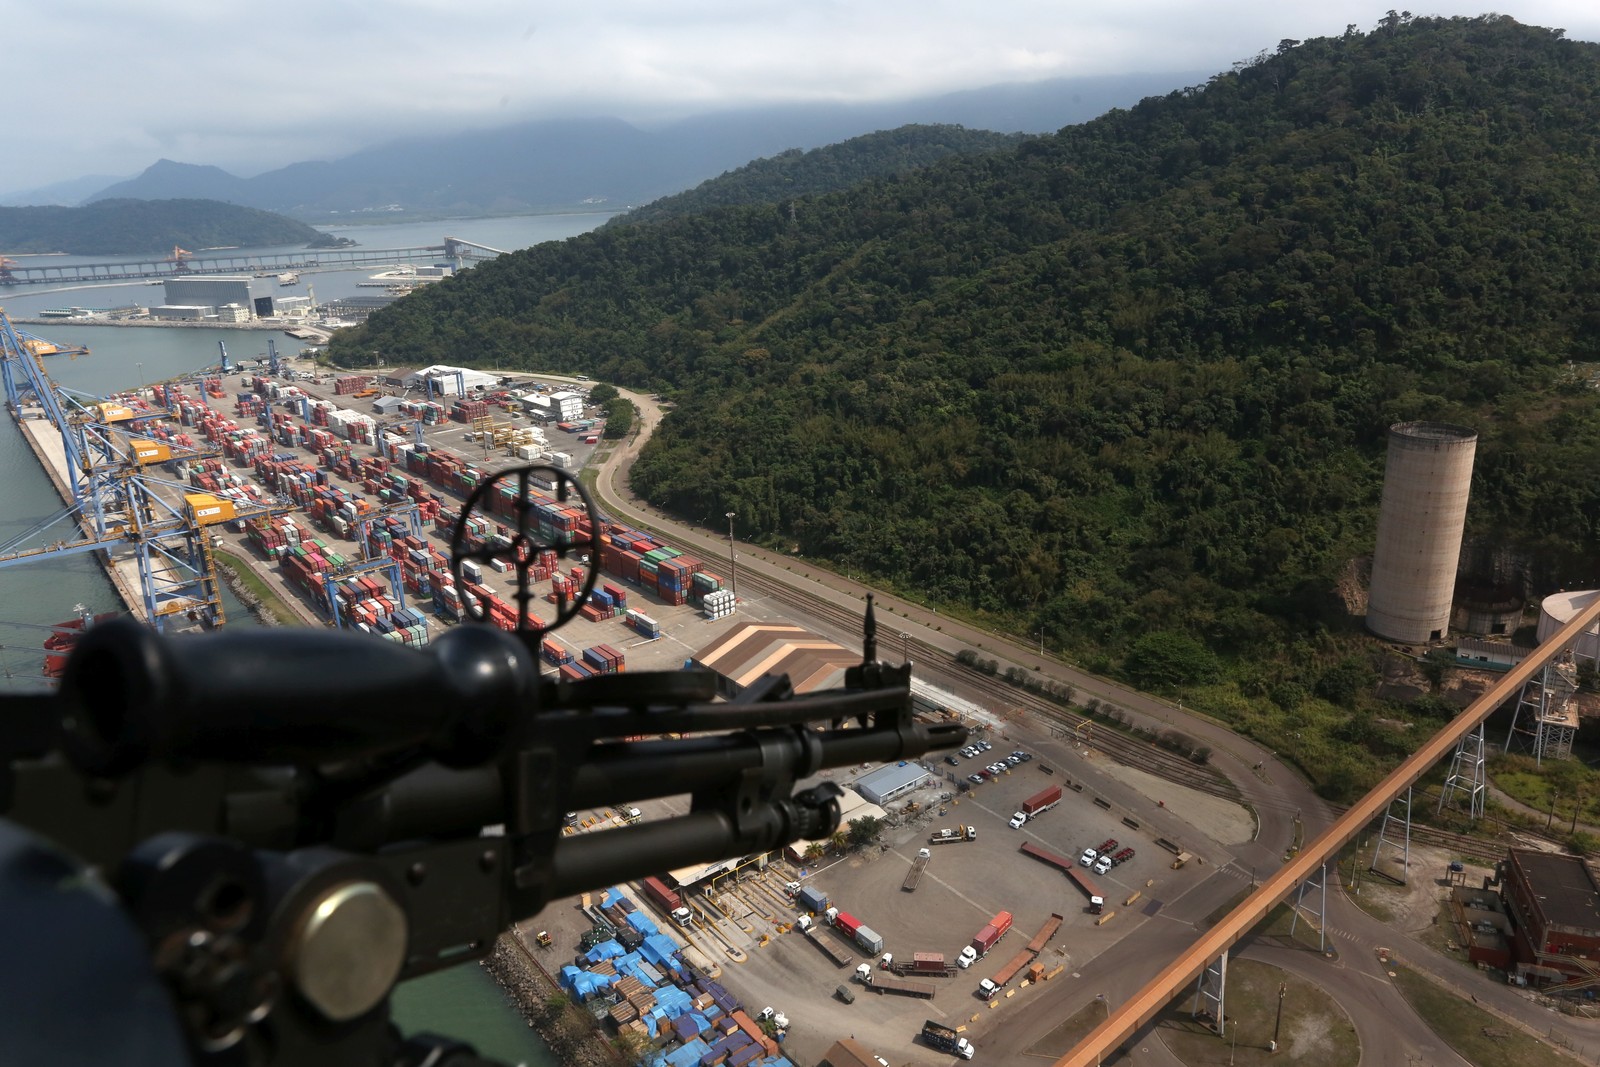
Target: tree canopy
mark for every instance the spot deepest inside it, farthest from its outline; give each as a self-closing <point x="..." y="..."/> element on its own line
<point x="1133" y="377"/>
<point x="146" y="227"/>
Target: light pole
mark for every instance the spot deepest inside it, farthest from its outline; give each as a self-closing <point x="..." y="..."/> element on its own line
<point x="1041" y="640"/>
<point x="733" y="567"/>
<point x="1278" y="1025"/>
<point x="905" y="638"/>
<point x="141" y="376"/>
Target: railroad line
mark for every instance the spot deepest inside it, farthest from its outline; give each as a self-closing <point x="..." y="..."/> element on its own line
<point x="939" y="666"/>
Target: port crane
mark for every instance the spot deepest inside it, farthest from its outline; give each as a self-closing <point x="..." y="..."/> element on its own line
<point x="6" y="277"/>
<point x="180" y="260"/>
<point x="118" y="505"/>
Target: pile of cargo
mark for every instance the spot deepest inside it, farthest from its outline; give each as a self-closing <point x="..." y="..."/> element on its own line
<point x="350" y="383"/>
<point x="718" y="605"/>
<point x="603" y="659"/>
<point x="405" y="625"/>
<point x="639" y="980"/>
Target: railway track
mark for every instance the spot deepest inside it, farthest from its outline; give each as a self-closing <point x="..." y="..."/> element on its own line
<point x="936" y="665"/>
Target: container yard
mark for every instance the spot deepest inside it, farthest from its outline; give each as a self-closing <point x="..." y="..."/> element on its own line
<point x="359" y="511"/>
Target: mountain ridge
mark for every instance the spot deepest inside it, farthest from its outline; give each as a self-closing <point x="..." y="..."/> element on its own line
<point x="552" y="164"/>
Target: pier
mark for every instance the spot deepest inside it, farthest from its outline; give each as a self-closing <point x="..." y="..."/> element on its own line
<point x="454" y="250"/>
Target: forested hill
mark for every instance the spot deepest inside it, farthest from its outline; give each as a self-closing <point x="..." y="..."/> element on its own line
<point x="146" y="227"/>
<point x="794" y="173"/>
<point x="1134" y="376"/>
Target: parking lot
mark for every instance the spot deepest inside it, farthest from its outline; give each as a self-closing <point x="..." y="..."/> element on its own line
<point x="743" y="925"/>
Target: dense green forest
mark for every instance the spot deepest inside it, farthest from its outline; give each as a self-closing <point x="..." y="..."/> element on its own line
<point x="146" y="227"/>
<point x="824" y="170"/>
<point x="1128" y="384"/>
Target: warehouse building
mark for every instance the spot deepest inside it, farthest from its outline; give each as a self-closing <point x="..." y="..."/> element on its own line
<point x="745" y="653"/>
<point x="1554" y="906"/>
<point x="895" y="780"/>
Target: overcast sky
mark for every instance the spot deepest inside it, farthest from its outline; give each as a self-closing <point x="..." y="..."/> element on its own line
<point x="103" y="87"/>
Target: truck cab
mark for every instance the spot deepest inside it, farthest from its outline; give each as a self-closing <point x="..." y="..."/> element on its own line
<point x="1017" y="820"/>
<point x="968" y="957"/>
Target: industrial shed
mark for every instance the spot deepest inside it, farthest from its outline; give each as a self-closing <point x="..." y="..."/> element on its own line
<point x="886" y="783"/>
<point x="747" y="652"/>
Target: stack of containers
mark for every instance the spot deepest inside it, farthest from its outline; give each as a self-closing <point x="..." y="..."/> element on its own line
<point x="554" y="652"/>
<point x="704" y="582"/>
<point x="350" y="383"/>
<point x="718" y="605"/>
<point x="574" y="672"/>
<point x="597" y="660"/>
<point x="619" y="596"/>
<point x="642" y="623"/>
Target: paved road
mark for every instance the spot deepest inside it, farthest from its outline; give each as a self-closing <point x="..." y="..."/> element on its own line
<point x="1389" y="1031"/>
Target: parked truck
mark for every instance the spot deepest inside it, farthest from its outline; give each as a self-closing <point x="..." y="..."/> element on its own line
<point x="1097" y="902"/>
<point x="880" y="983"/>
<point x="668" y="900"/>
<point x="830" y="947"/>
<point x="946" y="1039"/>
<point x="1042" y="801"/>
<point x="813" y="900"/>
<point x="861" y="934"/>
<point x="985" y="940"/>
<point x="924" y="964"/>
<point x="914" y="875"/>
<point x="949" y="836"/>
<point x="1080" y="878"/>
<point x="990" y="986"/>
<point x="1046" y="932"/>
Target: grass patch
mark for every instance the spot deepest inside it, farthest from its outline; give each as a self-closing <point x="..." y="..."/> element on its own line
<point x="1314" y="1032"/>
<point x="270" y="603"/>
<point x="1478" y="1037"/>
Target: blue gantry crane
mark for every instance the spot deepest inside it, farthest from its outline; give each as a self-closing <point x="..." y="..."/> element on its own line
<point x="118" y="505"/>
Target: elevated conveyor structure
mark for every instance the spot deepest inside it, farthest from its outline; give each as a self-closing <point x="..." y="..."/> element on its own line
<point x="1125" y="1019"/>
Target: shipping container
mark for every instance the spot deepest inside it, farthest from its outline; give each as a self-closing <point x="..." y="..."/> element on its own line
<point x="669" y="900"/>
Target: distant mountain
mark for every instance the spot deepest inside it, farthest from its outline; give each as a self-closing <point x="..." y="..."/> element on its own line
<point x="824" y="170"/>
<point x="64" y="194"/>
<point x="145" y="227"/>
<point x="562" y="164"/>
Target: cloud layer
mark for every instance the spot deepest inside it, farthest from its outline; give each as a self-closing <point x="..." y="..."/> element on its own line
<point x="119" y="85"/>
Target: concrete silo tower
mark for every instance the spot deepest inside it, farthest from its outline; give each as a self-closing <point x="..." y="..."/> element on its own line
<point x="1420" y="522"/>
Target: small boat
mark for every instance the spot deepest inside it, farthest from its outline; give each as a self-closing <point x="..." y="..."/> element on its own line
<point x="64" y="638"/>
<point x="289" y="278"/>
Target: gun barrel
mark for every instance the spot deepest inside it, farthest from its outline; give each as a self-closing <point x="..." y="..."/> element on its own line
<point x="287" y="696"/>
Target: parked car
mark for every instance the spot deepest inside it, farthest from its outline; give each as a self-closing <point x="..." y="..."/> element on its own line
<point x="975" y="779"/>
<point x="952" y="761"/>
<point x="1014" y="760"/>
<point x="984" y="745"/>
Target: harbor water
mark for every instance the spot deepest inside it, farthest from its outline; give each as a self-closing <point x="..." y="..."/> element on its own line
<point x="462" y="1002"/>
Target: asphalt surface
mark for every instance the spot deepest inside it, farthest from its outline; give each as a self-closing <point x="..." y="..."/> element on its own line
<point x="1287" y="810"/>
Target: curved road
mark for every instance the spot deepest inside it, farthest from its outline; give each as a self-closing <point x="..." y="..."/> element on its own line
<point x="1279" y="796"/>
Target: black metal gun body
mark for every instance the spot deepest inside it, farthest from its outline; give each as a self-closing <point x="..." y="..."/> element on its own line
<point x="296" y="820"/>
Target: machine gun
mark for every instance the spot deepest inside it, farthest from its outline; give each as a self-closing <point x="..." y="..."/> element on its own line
<point x="237" y="843"/>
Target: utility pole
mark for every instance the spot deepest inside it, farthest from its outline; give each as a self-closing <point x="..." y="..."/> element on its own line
<point x="905" y="655"/>
<point x="733" y="568"/>
<point x="1041" y="641"/>
<point x="1282" y="988"/>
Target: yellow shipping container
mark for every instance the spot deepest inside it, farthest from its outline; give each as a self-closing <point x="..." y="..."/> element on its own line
<point x="149" y="451"/>
<point x="209" y="510"/>
<point x="115" y="412"/>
